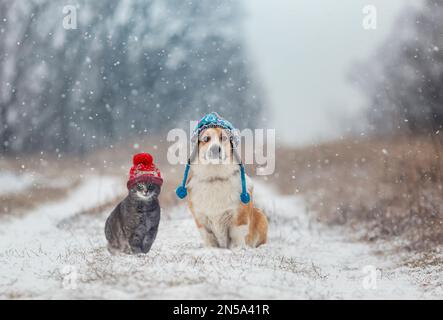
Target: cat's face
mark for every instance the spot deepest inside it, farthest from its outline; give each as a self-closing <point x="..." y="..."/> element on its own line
<point x="145" y="191"/>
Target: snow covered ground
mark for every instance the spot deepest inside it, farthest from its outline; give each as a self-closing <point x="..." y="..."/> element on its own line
<point x="11" y="182"/>
<point x="59" y="252"/>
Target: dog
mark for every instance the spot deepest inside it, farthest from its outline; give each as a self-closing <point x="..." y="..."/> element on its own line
<point x="215" y="181"/>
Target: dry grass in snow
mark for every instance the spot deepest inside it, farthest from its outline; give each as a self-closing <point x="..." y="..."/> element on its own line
<point x="383" y="190"/>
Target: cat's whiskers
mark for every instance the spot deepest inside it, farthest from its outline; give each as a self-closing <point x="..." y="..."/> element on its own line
<point x="146" y="197"/>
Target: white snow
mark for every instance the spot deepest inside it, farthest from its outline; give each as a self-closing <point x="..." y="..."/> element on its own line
<point x="11" y="182"/>
<point x="58" y="252"/>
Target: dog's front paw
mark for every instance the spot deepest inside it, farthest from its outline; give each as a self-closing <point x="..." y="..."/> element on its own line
<point x="237" y="246"/>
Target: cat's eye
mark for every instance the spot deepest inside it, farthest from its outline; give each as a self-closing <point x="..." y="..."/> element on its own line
<point x="150" y="187"/>
<point x="140" y="187"/>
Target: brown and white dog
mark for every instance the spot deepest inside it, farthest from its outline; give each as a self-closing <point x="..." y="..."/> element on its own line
<point x="214" y="186"/>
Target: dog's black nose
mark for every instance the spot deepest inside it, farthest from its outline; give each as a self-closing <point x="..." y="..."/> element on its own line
<point x="215" y="151"/>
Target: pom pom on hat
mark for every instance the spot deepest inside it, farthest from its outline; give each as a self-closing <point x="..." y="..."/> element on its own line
<point x="142" y="158"/>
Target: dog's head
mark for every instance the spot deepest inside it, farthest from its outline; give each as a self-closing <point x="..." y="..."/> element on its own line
<point x="215" y="147"/>
<point x="217" y="142"/>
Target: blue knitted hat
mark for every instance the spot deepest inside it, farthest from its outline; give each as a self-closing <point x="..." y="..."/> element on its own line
<point x="213" y="120"/>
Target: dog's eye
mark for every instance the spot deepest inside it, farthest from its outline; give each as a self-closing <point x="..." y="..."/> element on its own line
<point x="206" y="138"/>
<point x="139" y="187"/>
<point x="224" y="138"/>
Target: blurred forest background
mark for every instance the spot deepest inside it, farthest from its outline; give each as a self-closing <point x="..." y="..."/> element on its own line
<point x="130" y="68"/>
<point x="145" y="65"/>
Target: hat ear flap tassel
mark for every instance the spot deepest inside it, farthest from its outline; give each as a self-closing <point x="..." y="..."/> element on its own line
<point x="181" y="191"/>
<point x="244" y="196"/>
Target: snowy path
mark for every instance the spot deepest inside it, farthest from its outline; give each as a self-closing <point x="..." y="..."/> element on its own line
<point x="56" y="253"/>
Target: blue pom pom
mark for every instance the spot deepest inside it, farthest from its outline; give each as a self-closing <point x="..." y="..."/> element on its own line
<point x="181" y="192"/>
<point x="244" y="197"/>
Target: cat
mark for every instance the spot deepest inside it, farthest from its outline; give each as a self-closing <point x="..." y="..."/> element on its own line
<point x="132" y="226"/>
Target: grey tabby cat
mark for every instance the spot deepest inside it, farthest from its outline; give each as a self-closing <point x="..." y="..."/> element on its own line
<point x="132" y="226"/>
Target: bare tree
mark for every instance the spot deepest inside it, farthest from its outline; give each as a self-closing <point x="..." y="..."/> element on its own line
<point x="404" y="81"/>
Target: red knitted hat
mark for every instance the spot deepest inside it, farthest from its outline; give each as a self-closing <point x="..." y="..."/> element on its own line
<point x="144" y="170"/>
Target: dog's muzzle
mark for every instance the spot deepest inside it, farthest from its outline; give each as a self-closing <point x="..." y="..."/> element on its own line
<point x="214" y="152"/>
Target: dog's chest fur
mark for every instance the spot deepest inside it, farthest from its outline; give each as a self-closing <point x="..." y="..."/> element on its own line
<point x="215" y="192"/>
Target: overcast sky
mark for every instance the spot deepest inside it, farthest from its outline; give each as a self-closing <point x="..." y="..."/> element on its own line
<point x="303" y="50"/>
